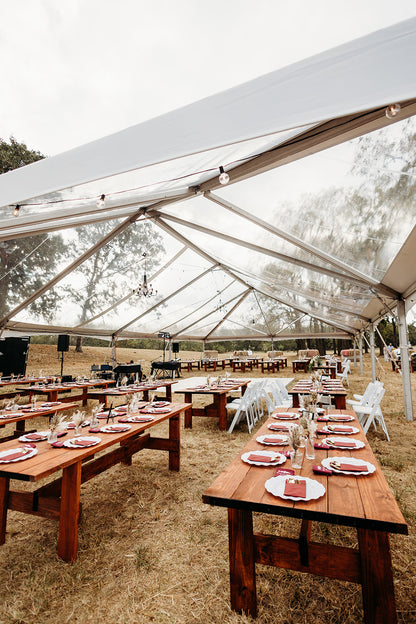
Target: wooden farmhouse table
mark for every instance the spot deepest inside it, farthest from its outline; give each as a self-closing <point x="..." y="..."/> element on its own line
<point x="60" y="500"/>
<point x="328" y="369"/>
<point x="217" y="409"/>
<point x="189" y="365"/>
<point x="53" y="391"/>
<point x="22" y="415"/>
<point x="104" y="395"/>
<point x="300" y="365"/>
<point x="334" y="389"/>
<point x="270" y="366"/>
<point x="365" y="503"/>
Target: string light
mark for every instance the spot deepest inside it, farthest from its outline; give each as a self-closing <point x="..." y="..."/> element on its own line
<point x="224" y="178"/>
<point x="392" y="111"/>
<point x="101" y="201"/>
<point x="16" y="210"/>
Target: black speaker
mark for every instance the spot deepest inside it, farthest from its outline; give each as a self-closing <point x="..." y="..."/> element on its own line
<point x="63" y="342"/>
<point x="175" y="347"/>
<point x="13" y="355"/>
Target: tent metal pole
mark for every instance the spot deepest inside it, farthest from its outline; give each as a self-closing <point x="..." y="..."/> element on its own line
<point x="355" y="353"/>
<point x="404" y="359"/>
<point x="228" y="313"/>
<point x="372" y="353"/>
<point x="294" y="240"/>
<point x="360" y="349"/>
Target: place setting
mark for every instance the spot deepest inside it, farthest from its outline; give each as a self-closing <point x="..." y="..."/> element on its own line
<point x="17" y="454"/>
<point x="285" y="415"/>
<point x="82" y="442"/>
<point x="341" y="429"/>
<point x="273" y="440"/>
<point x="342" y="443"/>
<point x="263" y="458"/>
<point x="348" y="466"/>
<point x="36" y="436"/>
<point x="296" y="488"/>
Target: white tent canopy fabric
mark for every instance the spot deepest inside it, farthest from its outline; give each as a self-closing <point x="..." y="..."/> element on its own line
<point x="233" y="267"/>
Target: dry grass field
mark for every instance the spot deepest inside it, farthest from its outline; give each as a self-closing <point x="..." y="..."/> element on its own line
<point x="151" y="552"/>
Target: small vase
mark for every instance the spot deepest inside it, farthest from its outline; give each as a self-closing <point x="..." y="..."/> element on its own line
<point x="78" y="431"/>
<point x="52" y="437"/>
<point x="296" y="458"/>
<point x="310" y="449"/>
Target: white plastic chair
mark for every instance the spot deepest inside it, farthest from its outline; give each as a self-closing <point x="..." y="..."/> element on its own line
<point x="346" y="369"/>
<point x="371" y="413"/>
<point x="246" y="406"/>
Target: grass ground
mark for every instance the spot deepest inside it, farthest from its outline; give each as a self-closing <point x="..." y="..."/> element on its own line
<point x="150" y="551"/>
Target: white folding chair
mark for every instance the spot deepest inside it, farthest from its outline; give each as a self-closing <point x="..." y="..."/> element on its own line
<point x="371" y="413"/>
<point x="346" y="369"/>
<point x="244" y="407"/>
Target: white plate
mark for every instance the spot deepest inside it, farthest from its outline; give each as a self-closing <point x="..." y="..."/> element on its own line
<point x="139" y="419"/>
<point x="107" y="428"/>
<point x="10" y="415"/>
<point x="276" y="486"/>
<point x="341" y="429"/>
<point x="358" y="443"/>
<point x="283" y="437"/>
<point x="93" y="439"/>
<point x="285" y="416"/>
<point x="348" y="460"/>
<point x="26" y="437"/>
<point x="4" y="454"/>
<point x="287" y="426"/>
<point x="339" y="418"/>
<point x="280" y="459"/>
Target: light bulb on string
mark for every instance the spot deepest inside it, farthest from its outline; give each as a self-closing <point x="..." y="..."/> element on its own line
<point x="224" y="178"/>
<point x="392" y="111"/>
<point x="101" y="201"/>
<point x="16" y="211"/>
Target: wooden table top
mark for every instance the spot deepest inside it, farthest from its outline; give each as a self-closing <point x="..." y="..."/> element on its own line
<point x="362" y="501"/>
<point x="302" y="387"/>
<point x="47" y="411"/>
<point x="213" y="389"/>
<point x="49" y="459"/>
<point x="134" y="388"/>
<point x="71" y="385"/>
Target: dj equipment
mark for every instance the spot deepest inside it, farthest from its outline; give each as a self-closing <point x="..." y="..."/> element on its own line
<point x="63" y="342"/>
<point x="175" y="347"/>
<point x="127" y="369"/>
<point x="166" y="369"/>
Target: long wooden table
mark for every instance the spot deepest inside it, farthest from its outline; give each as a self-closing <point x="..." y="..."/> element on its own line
<point x="216" y="409"/>
<point x="336" y="392"/>
<point x="21" y="417"/>
<point x="365" y="503"/>
<point x="112" y="393"/>
<point x="60" y="500"/>
<point x="52" y="392"/>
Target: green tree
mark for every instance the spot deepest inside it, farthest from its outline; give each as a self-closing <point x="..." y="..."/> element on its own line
<point x="25" y="263"/>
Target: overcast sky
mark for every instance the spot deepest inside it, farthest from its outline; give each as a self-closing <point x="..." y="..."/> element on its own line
<point x="75" y="70"/>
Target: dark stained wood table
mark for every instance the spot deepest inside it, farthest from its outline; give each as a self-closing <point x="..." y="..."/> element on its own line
<point x="217" y="409"/>
<point x="145" y="387"/>
<point x="300" y="365"/>
<point x="328" y="369"/>
<point x="189" y="365"/>
<point x="60" y="500"/>
<point x="335" y="390"/>
<point x="22" y="415"/>
<point x="270" y="366"/>
<point x="365" y="503"/>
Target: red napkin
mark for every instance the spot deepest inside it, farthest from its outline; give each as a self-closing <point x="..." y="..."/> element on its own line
<point x="260" y="458"/>
<point x="354" y="467"/>
<point x="322" y="419"/>
<point x="115" y="428"/>
<point x="16" y="455"/>
<point x="284" y="471"/>
<point x="76" y="442"/>
<point x="295" y="489"/>
<point x="321" y="470"/>
<point x="273" y="440"/>
<point x="35" y="437"/>
<point x="340" y="418"/>
<point x="345" y="443"/>
<point x="321" y="445"/>
<point x="279" y="427"/>
<point x="336" y="429"/>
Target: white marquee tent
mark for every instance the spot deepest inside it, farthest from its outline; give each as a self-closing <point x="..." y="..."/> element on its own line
<point x="232" y="261"/>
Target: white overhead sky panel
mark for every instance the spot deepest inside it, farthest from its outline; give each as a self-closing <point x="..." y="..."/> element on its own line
<point x="368" y="72"/>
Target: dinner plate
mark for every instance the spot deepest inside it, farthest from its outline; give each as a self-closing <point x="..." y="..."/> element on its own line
<point x="119" y="428"/>
<point x="160" y="404"/>
<point x="280" y="459"/>
<point x="27" y="455"/>
<point x="93" y="440"/>
<point x="340" y="429"/>
<point x="276" y="486"/>
<point x="280" y="426"/>
<point x="327" y="462"/>
<point x="337" y="443"/>
<point x="51" y="404"/>
<point x="43" y="435"/>
<point x="339" y="417"/>
<point x="10" y="415"/>
<point x="281" y="440"/>
<point x="285" y="416"/>
<point x="155" y="410"/>
<point x="140" y="419"/>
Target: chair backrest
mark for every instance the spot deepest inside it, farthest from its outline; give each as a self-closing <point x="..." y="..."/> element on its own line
<point x="95" y="367"/>
<point x="274" y="354"/>
<point x="210" y="355"/>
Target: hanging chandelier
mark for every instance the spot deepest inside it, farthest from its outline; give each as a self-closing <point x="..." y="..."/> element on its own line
<point x="144" y="289"/>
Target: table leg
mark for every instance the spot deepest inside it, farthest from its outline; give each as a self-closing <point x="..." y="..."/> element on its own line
<point x="69" y="512"/>
<point x="242" y="562"/>
<point x="188" y="413"/>
<point x="84" y="396"/>
<point x="220" y="401"/>
<point x="169" y="393"/>
<point x="4" y="499"/>
<point x="376" y="577"/>
<point x="174" y="438"/>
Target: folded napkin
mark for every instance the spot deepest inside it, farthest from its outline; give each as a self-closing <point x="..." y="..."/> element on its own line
<point x="58" y="444"/>
<point x="77" y="442"/>
<point x="115" y="428"/>
<point x="284" y="471"/>
<point x="322" y="419"/>
<point x="279" y="427"/>
<point x="261" y="458"/>
<point x="35" y="437"/>
<point x="321" y="470"/>
<point x="339" y="417"/>
<point x="94" y="429"/>
<point x="321" y="432"/>
<point x="321" y="445"/>
<point x="354" y="467"/>
<point x="336" y="429"/>
<point x="274" y="440"/>
<point x="295" y="488"/>
<point x="343" y="443"/>
<point x="18" y="453"/>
